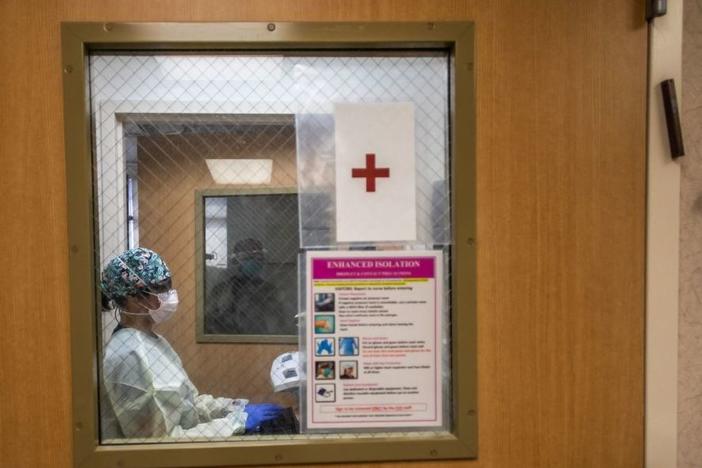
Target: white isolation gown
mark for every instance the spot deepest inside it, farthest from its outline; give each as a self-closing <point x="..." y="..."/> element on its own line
<point x="147" y="394"/>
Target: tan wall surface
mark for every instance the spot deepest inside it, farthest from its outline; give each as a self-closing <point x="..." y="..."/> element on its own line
<point x="171" y="169"/>
<point x="561" y="192"/>
<point x="690" y="332"/>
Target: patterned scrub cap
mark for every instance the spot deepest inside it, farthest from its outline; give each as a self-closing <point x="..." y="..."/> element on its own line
<point x="133" y="271"/>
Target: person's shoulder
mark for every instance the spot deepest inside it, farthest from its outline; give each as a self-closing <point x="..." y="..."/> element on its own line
<point x="122" y="334"/>
<point x="229" y="284"/>
<point x="160" y="345"/>
<point x="164" y="344"/>
<point x="123" y="357"/>
<point x="123" y="343"/>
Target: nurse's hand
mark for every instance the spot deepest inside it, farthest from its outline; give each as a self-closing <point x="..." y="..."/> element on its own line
<point x="260" y="413"/>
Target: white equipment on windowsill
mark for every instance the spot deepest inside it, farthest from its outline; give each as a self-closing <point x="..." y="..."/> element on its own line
<point x="285" y="371"/>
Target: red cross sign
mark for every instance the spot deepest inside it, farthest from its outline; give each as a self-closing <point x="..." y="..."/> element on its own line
<point x="370" y="172"/>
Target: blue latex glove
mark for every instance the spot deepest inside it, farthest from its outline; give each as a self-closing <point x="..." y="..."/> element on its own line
<point x="259" y="413"/>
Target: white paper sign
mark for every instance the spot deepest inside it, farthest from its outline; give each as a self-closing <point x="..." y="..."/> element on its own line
<point x="374" y="339"/>
<point x="375" y="173"/>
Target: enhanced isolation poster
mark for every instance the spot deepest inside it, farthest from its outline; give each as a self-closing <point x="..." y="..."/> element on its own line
<point x="374" y="339"/>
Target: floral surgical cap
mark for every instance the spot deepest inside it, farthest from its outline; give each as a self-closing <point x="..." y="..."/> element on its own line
<point x="133" y="271"/>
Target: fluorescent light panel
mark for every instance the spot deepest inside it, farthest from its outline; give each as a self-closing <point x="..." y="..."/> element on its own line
<point x="240" y="171"/>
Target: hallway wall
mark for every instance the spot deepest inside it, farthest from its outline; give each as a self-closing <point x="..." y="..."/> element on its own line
<point x="690" y="326"/>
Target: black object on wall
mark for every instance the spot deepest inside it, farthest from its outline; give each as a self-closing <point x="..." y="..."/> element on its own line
<point x="672" y="118"/>
<point x="655" y="8"/>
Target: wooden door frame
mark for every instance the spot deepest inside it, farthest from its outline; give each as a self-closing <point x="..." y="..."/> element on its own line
<point x="662" y="248"/>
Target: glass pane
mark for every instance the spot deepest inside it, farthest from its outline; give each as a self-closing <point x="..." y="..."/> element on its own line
<point x="224" y="166"/>
<point x="251" y="279"/>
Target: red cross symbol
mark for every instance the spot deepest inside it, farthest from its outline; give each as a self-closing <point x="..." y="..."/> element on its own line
<point x="370" y="172"/>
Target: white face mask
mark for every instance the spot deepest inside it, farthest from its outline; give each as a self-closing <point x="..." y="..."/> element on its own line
<point x="168" y="304"/>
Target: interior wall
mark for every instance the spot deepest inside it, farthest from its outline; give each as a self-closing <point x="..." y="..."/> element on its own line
<point x="561" y="105"/>
<point x="171" y="169"/>
<point x="690" y="326"/>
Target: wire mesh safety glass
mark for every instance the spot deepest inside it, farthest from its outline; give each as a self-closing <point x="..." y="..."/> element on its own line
<point x="223" y="165"/>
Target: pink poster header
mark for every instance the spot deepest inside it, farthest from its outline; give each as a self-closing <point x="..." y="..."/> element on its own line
<point x="373" y="267"/>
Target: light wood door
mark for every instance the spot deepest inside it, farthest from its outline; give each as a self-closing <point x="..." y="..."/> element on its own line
<point x="561" y="89"/>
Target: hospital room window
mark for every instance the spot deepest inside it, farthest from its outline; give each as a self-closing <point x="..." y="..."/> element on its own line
<point x="274" y="244"/>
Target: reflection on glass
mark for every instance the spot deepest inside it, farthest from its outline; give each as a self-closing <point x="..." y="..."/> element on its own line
<point x="251" y="279"/>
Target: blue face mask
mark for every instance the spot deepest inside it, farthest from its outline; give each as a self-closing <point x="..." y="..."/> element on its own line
<point x="251" y="268"/>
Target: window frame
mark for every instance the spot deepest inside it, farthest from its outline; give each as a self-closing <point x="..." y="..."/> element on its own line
<point x="78" y="40"/>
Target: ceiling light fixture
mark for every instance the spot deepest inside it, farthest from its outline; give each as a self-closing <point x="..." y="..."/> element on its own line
<point x="240" y="171"/>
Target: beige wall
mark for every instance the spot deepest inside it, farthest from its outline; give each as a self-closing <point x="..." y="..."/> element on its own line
<point x="690" y="326"/>
<point x="170" y="170"/>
